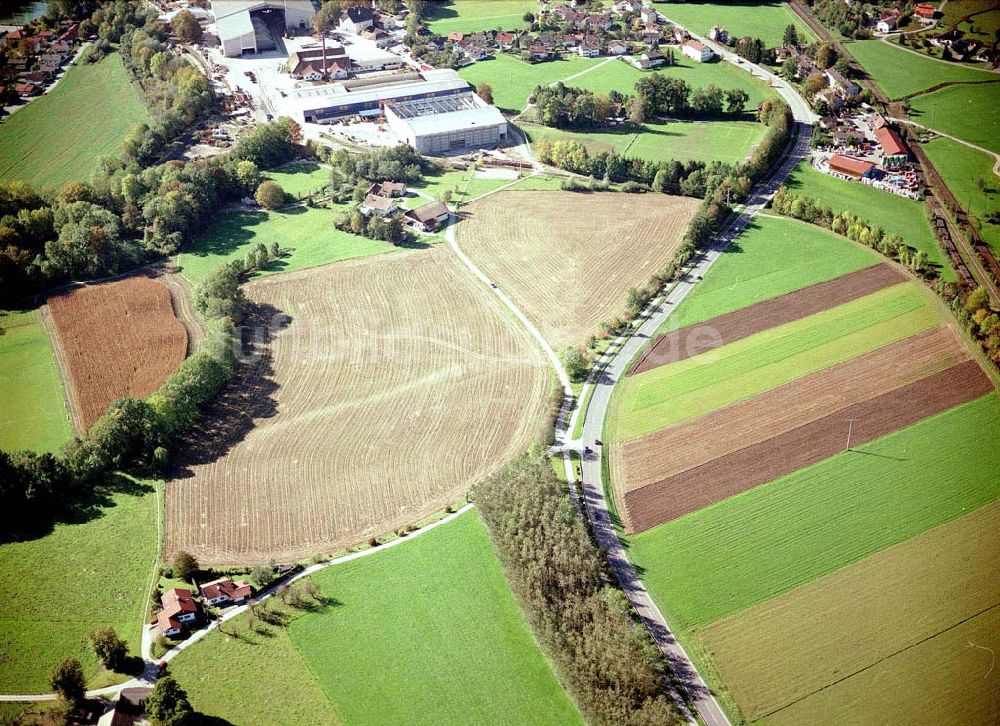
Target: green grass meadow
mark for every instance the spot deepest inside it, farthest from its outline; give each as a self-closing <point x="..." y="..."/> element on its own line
<point x="966" y="112"/>
<point x="764" y="20"/>
<point x="307" y="237"/>
<point x="34" y="401"/>
<point x="80" y="576"/>
<point x="513" y="80"/>
<point x="300" y="178"/>
<point x="472" y="16"/>
<point x="900" y="73"/>
<point x="895" y="214"/>
<point x="766" y="541"/>
<point x="669" y="394"/>
<point x="424" y="633"/>
<point x="774" y="256"/>
<point x="61" y="136"/>
<point x="962" y="168"/>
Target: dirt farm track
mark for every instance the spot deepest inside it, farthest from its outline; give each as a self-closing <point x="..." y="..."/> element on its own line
<point x="384" y="389"/>
<point x="115" y="339"/>
<point x="569" y="259"/>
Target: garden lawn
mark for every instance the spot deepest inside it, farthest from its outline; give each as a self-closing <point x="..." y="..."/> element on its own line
<point x="961" y="168"/>
<point x="766" y="21"/>
<point x="61" y="586"/>
<point x="61" y="136"/>
<point x="774" y="256"/>
<point x="255" y="678"/>
<point x="770" y="539"/>
<point x="307" y="238"/>
<point x="300" y="178"/>
<point x="966" y="112"/>
<point x="429" y="633"/>
<point x="513" y="80"/>
<point x="728" y="141"/>
<point x="900" y="73"/>
<point x="621" y="76"/>
<point x="669" y="394"/>
<point x="472" y="16"/>
<point x="895" y="214"/>
<point x="34" y="403"/>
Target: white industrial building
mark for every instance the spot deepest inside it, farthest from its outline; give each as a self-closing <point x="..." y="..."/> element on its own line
<point x="251" y="26"/>
<point x="447" y="124"/>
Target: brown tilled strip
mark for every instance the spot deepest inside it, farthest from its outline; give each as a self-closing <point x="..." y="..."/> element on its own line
<point x="758" y="464"/>
<point x="668" y="452"/>
<point x="699" y="338"/>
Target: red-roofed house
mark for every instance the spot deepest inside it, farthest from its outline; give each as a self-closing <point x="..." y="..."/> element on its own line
<point x="179" y="609"/>
<point x="925" y="11"/>
<point x="894" y="150"/>
<point x="850" y="167"/>
<point x="226" y="592"/>
<point x="696" y="50"/>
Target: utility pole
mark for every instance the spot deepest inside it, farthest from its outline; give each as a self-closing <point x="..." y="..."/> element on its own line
<point x="850" y="430"/>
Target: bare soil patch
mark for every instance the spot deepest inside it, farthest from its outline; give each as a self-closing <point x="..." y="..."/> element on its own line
<point x="693" y="340"/>
<point x="115" y="339"/>
<point x="379" y="391"/>
<point x="750" y="466"/>
<point x="568" y="259"/>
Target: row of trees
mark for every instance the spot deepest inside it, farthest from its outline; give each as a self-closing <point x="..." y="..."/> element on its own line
<point x="558" y="575"/>
<point x="127" y="215"/>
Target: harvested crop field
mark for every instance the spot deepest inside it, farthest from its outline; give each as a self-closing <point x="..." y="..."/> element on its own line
<point x="387" y="387"/>
<point x="115" y="339"/>
<point x="807" y="444"/>
<point x="696" y="339"/>
<point x="788" y="648"/>
<point x="568" y="259"/>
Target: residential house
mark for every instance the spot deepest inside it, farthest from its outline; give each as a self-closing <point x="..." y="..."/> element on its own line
<point x="894" y="149"/>
<point x="504" y="40"/>
<point x="626" y="7"/>
<point x="887" y="22"/>
<point x="945" y="39"/>
<point x="925" y="12"/>
<point x="696" y="50"/>
<point x="719" y="34"/>
<point x="356" y="18"/>
<point x="427" y="217"/>
<point x="831" y="98"/>
<point x="602" y="22"/>
<point x="386" y="21"/>
<point x="388" y="189"/>
<point x="572" y="41"/>
<point x="25" y="90"/>
<point x="224" y="592"/>
<point x="652" y="38"/>
<point x="179" y="611"/>
<point x="590" y="46"/>
<point x="566" y="14"/>
<point x="651" y="59"/>
<point x="539" y="52"/>
<point x="380" y="37"/>
<point x="680" y="35"/>
<point x="617" y="47"/>
<point x="456" y="37"/>
<point x="851" y="168"/>
<point x="378" y="206"/>
<point x="471" y="50"/>
<point x="842" y="85"/>
<point x="336" y="68"/>
<point x="649" y="15"/>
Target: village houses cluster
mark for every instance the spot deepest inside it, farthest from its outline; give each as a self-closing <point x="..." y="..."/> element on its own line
<point x="33" y="57"/>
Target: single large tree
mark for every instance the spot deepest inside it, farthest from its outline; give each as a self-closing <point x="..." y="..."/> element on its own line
<point x="168" y="703"/>
<point x="185" y="565"/>
<point x="68" y="681"/>
<point x="270" y="195"/>
<point x="185" y="26"/>
<point x="109" y="648"/>
<point x="791" y="36"/>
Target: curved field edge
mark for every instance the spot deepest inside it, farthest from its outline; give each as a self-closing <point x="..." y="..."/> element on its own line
<point x="81" y="575"/>
<point x="433" y="618"/>
<point x="36" y="415"/>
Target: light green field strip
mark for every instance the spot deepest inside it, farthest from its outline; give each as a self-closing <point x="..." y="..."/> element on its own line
<point x="62" y="135"/>
<point x="783" y="650"/>
<point x="962" y="168"/>
<point x="669" y="394"/>
<point x="895" y="214"/>
<point x="61" y="586"/>
<point x="472" y="16"/>
<point x="33" y="412"/>
<point x="429" y="633"/>
<point x="513" y="80"/>
<point x="900" y="73"/>
<point x="771" y="258"/>
<point x="764" y="20"/>
<point x="770" y="539"/>
<point x="950" y="679"/>
<point x="966" y="112"/>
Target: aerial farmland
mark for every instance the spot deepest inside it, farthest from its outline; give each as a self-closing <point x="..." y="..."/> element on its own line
<point x="499" y="362"/>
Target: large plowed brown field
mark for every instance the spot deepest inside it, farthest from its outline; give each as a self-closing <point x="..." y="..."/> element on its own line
<point x="569" y="259"/>
<point x="691" y="340"/>
<point x="392" y="385"/>
<point x="115" y="339"/>
<point x="751" y="465"/>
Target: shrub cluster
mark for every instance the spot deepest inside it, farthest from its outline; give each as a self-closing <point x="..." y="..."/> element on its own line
<point x="557" y="573"/>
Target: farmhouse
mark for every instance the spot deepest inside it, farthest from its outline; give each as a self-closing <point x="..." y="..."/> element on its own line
<point x="226" y="592"/>
<point x="427" y="217"/>
<point x="179" y="610"/>
<point x="850" y="167"/>
<point x="887" y="22"/>
<point x="894" y="150"/>
<point x="378" y="206"/>
<point x="251" y="26"/>
<point x="925" y="11"/>
<point x="441" y="125"/>
<point x="696" y="50"/>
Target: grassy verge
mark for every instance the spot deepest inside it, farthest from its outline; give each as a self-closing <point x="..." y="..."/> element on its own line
<point x="764" y="20"/>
